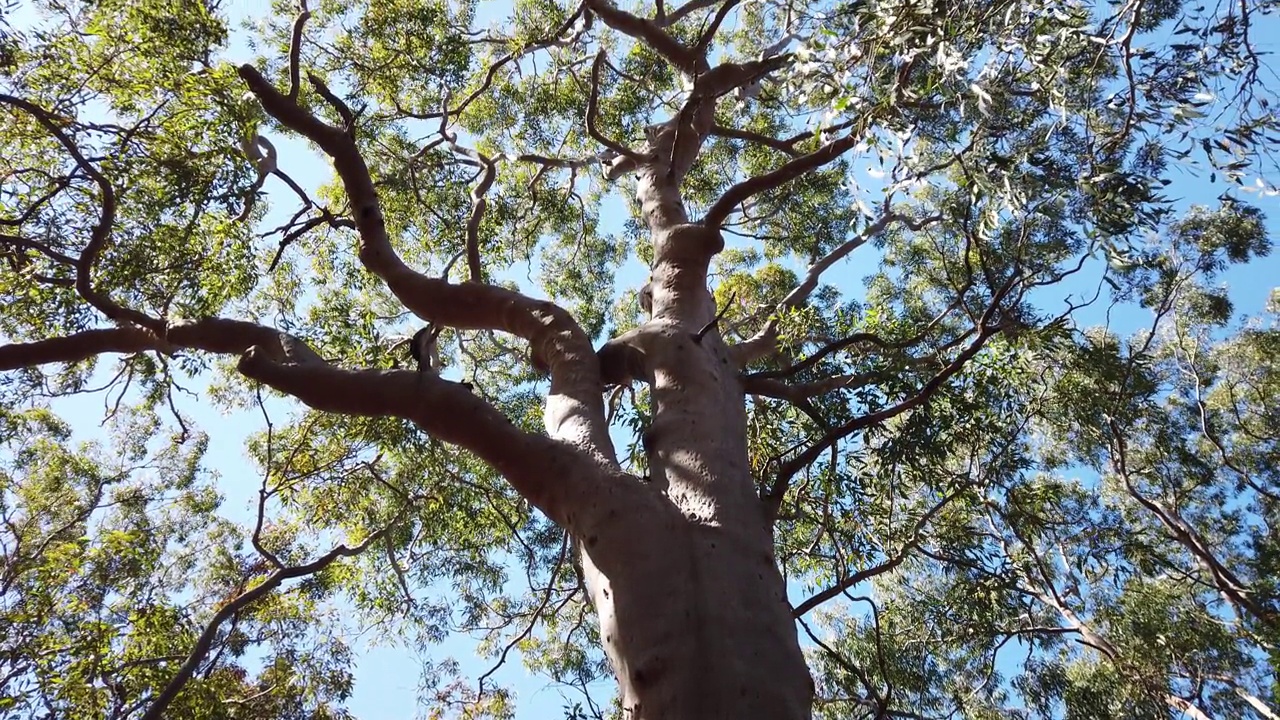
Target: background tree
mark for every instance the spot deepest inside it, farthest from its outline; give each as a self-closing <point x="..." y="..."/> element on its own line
<point x="967" y="499"/>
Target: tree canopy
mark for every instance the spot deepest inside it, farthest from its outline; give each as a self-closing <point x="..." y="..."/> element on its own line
<point x="988" y="276"/>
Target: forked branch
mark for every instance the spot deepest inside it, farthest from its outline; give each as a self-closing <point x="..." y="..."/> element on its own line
<point x="593" y="109"/>
<point x="101" y="230"/>
<point x="649" y="33"/>
<point x="736" y="195"/>
<point x="710" y="33"/>
<point x="574" y="406"/>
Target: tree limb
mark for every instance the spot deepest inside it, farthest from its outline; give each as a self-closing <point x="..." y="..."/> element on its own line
<point x="241" y="601"/>
<point x="553" y="39"/>
<point x="710" y="33"/>
<point x="818" y="598"/>
<point x="593" y="100"/>
<point x="478" y="200"/>
<point x="101" y="231"/>
<point x="683" y="11"/>
<point x="648" y="32"/>
<point x="764" y="342"/>
<point x="80" y="346"/>
<point x="985" y="330"/>
<point x="754" y="137"/>
<point x="295" y="48"/>
<point x="539" y="468"/>
<point x="574" y="406"/>
<point x="766" y="387"/>
<point x="736" y="195"/>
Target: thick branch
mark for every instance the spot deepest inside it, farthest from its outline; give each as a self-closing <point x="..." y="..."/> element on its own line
<point x="727" y="77"/>
<point x="79" y="346"/>
<point x="343" y="110"/>
<point x="648" y="32"/>
<point x="478" y="200"/>
<point x="233" y="337"/>
<point x="540" y="469"/>
<point x="696" y="118"/>
<point x="547" y="472"/>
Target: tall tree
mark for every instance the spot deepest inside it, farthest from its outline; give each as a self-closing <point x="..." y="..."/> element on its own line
<point x="979" y="505"/>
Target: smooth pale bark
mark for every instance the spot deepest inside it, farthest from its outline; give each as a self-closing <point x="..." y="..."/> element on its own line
<point x="693" y="609"/>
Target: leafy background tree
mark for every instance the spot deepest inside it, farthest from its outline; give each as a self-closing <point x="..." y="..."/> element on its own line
<point x="1018" y="457"/>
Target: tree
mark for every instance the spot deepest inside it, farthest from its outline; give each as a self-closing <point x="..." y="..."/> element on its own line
<point x="947" y="467"/>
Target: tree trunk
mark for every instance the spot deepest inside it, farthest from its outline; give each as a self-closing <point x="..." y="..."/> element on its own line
<point x="693" y="609"/>
<point x="695" y="620"/>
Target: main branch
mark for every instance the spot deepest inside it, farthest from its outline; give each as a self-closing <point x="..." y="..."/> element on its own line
<point x="575" y="410"/>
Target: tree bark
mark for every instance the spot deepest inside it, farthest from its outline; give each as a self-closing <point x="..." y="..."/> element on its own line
<point x="692" y="606"/>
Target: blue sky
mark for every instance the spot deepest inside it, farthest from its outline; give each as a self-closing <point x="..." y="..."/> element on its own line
<point x="386" y="675"/>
